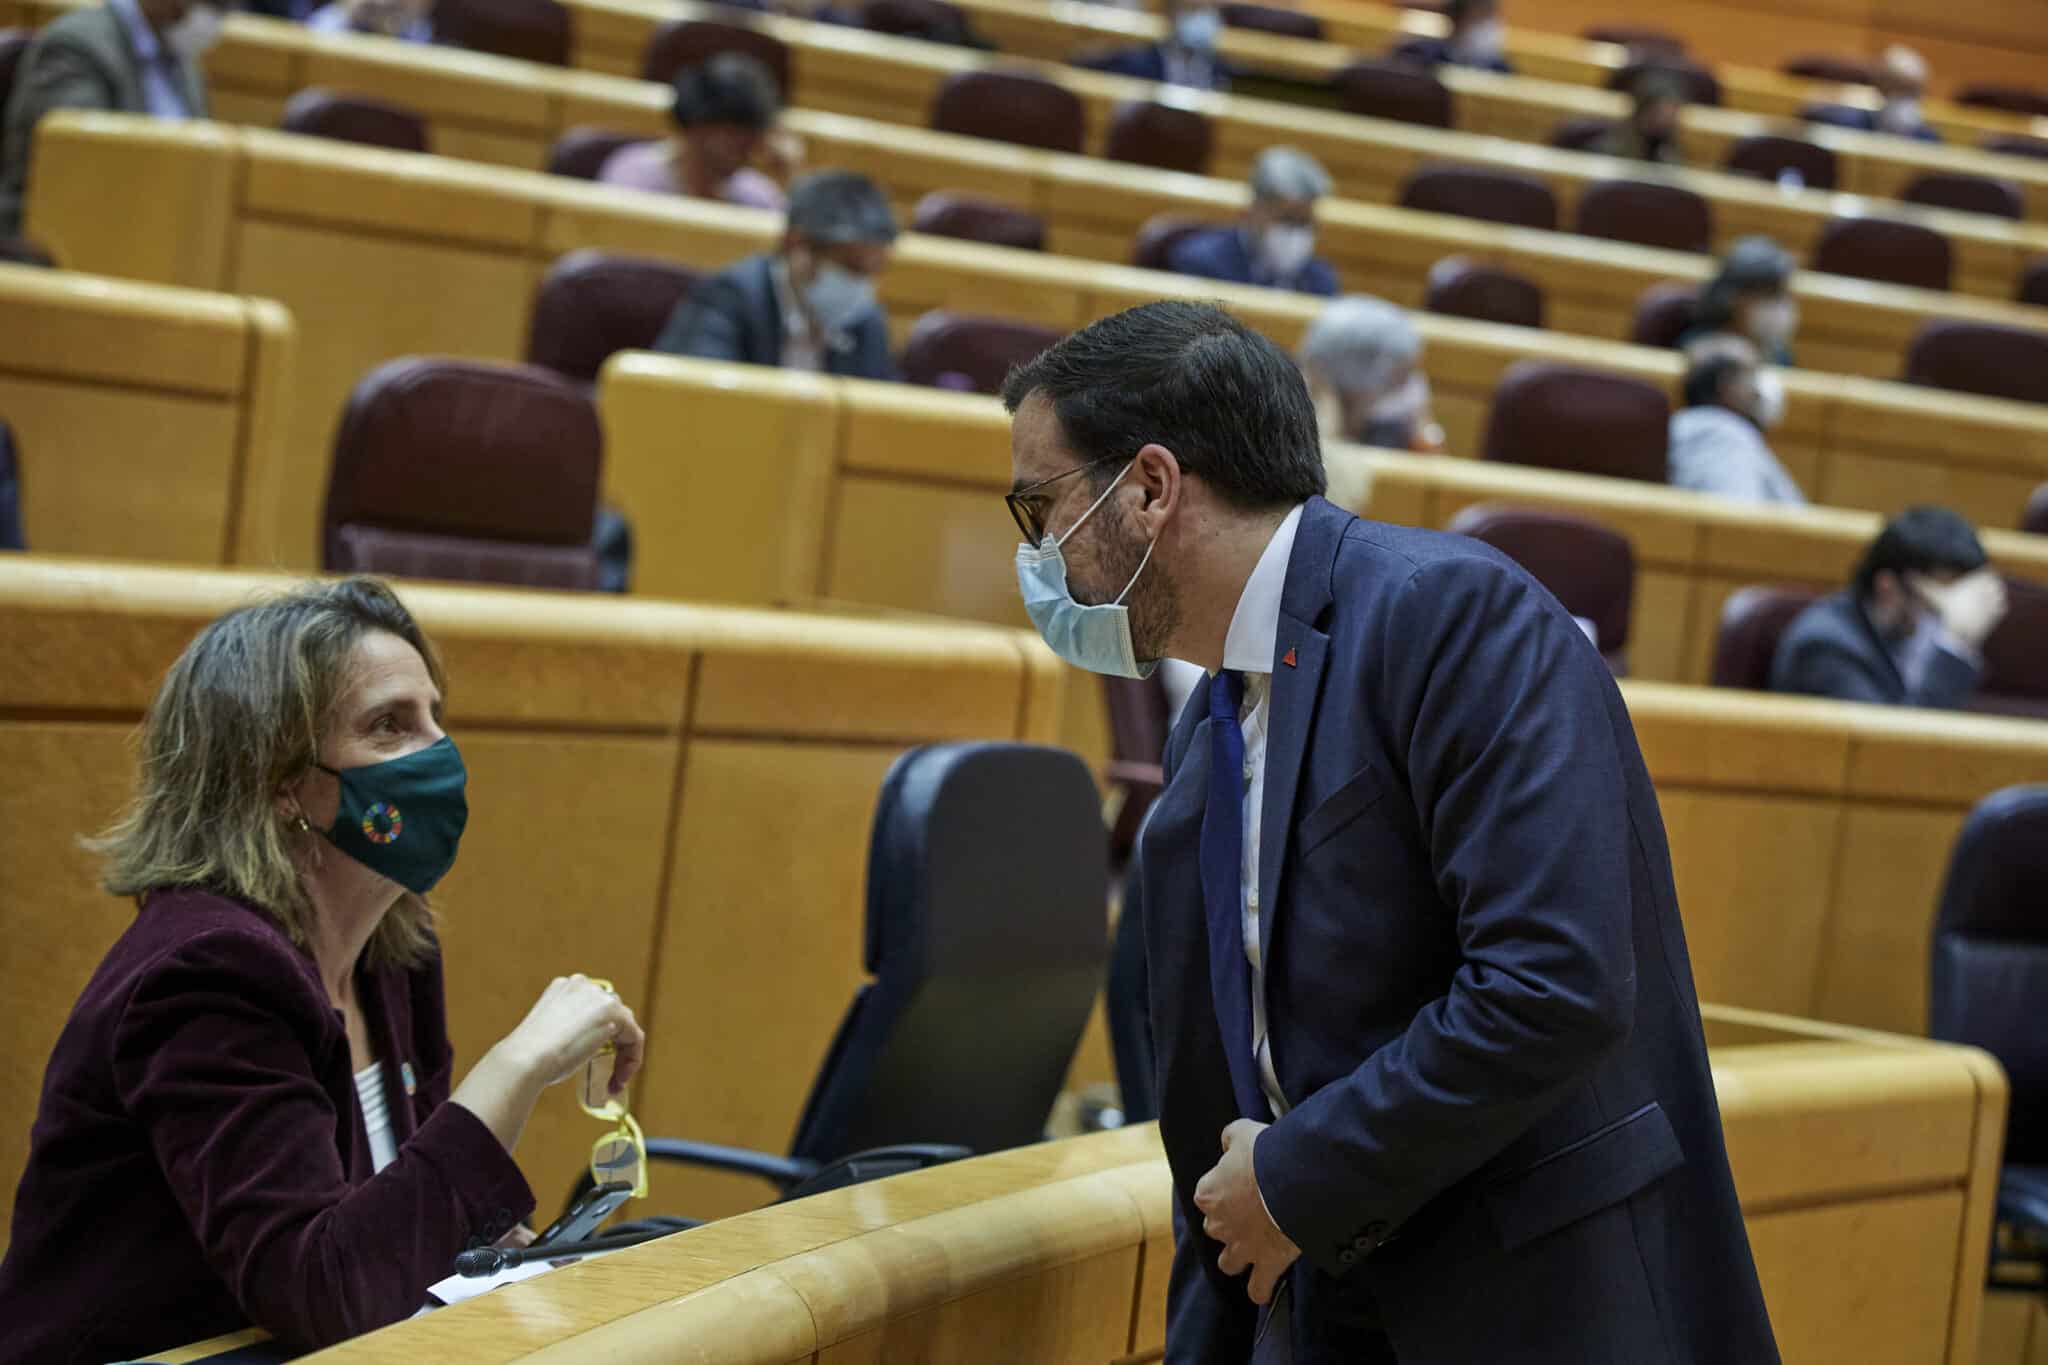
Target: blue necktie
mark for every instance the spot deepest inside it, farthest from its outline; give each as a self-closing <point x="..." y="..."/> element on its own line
<point x="1223" y="891"/>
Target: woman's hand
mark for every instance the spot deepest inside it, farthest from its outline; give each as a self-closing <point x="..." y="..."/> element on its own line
<point x="574" y="1019"/>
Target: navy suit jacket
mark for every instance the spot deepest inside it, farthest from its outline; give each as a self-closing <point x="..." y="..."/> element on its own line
<point x="1832" y="650"/>
<point x="1503" y="1142"/>
<point x="1864" y="120"/>
<point x="1220" y="254"/>
<point x="1149" y="64"/>
<point x="735" y="315"/>
<point x="1437" y="52"/>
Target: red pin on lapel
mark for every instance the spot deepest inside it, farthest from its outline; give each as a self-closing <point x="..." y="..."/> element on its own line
<point x="1288" y="658"/>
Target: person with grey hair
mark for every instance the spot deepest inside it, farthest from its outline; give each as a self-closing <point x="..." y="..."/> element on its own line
<point x="1274" y="244"/>
<point x="810" y="303"/>
<point x="1362" y="359"/>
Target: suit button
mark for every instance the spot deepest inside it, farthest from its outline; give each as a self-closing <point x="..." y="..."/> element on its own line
<point x="1347" y="1256"/>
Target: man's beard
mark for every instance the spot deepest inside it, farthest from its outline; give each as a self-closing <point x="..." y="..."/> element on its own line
<point x="1154" y="605"/>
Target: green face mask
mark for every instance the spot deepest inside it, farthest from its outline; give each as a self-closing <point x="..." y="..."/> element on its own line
<point x="403" y="818"/>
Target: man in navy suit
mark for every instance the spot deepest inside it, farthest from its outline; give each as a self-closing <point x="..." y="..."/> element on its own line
<point x="1186" y="57"/>
<point x="1430" y="1070"/>
<point x="1477" y="39"/>
<point x="1274" y="245"/>
<point x="1901" y="77"/>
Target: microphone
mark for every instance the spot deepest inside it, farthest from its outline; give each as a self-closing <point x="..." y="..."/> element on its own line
<point x="490" y="1260"/>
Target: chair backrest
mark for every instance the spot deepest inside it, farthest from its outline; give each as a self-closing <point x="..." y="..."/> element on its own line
<point x="2033" y="286"/>
<point x="592" y="304"/>
<point x="987" y="936"/>
<point x="531" y="30"/>
<point x="353" y="118"/>
<point x="1696" y="84"/>
<point x="2034" y="520"/>
<point x="2015" y="678"/>
<point x="1158" y="236"/>
<point x="1139" y="721"/>
<point x="1463" y="288"/>
<point x="2014" y="99"/>
<point x="2017" y="144"/>
<point x="680" y="44"/>
<point x="1823" y="66"/>
<point x="1588" y="567"/>
<point x="13" y="42"/>
<point x="1568" y="417"/>
<point x="1880" y="249"/>
<point x="1395" y="90"/>
<point x="1747" y="639"/>
<point x="21" y="251"/>
<point x="931" y="21"/>
<point x="1989" y="960"/>
<point x="1010" y="106"/>
<point x="946" y="214"/>
<point x="582" y="152"/>
<point x="1636" y="38"/>
<point x="1147" y="134"/>
<point x="11" y="537"/>
<point x="1288" y="23"/>
<point x="1980" y="357"/>
<point x="1967" y="193"/>
<point x="1648" y="213"/>
<point x="971" y="354"/>
<point x="1664" y="313"/>
<point x="465" y="469"/>
<point x="1581" y="134"/>
<point x="1768" y="156"/>
<point x="1469" y="192"/>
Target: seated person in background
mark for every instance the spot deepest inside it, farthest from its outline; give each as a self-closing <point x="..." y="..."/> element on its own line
<point x="1477" y="39"/>
<point x="1275" y="243"/>
<point x="11" y="537"/>
<point x="1651" y="130"/>
<point x="408" y="20"/>
<point x="1362" y="359"/>
<point x="1901" y="79"/>
<point x="247" y="1117"/>
<point x="809" y="304"/>
<point x="1717" y="438"/>
<point x="1912" y="625"/>
<point x="125" y="56"/>
<point x="1187" y="57"/>
<point x="1750" y="297"/>
<point x="724" y="112"/>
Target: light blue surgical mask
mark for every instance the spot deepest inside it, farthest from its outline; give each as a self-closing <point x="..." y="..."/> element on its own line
<point x="837" y="297"/>
<point x="1096" y="638"/>
<point x="1198" y="29"/>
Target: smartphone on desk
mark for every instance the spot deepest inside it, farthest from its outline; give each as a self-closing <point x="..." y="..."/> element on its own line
<point x="585" y="1216"/>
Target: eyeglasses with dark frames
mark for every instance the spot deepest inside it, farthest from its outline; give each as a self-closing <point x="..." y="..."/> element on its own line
<point x="1026" y="503"/>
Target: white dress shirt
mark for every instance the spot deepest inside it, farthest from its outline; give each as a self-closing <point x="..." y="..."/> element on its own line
<point x="1248" y="647"/>
<point x="376" y="1116"/>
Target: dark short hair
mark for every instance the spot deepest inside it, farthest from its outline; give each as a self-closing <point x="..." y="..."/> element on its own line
<point x="1229" y="404"/>
<point x="732" y="88"/>
<point x="1708" y="374"/>
<point x="831" y="207"/>
<point x="1754" y="265"/>
<point x="1921" y="540"/>
<point x="1457" y="11"/>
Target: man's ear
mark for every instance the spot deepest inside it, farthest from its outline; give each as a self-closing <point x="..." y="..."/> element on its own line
<point x="1161" y="484"/>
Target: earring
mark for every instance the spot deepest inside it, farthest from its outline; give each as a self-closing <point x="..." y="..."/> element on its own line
<point x="300" y="825"/>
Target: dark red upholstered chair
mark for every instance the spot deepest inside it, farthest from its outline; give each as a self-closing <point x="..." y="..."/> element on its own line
<point x="1980" y="357"/>
<point x="1010" y="106"/>
<point x="1394" y="90"/>
<point x="464" y="469"/>
<point x="1147" y="134"/>
<point x="1580" y="134"/>
<point x="973" y="354"/>
<point x="13" y="42"/>
<point x="1469" y="192"/>
<point x="1588" y="421"/>
<point x="946" y="214"/>
<point x="681" y="44"/>
<point x="1747" y="639"/>
<point x="592" y="304"/>
<point x="21" y="251"/>
<point x="2014" y="99"/>
<point x="2015" y="681"/>
<point x="353" y="118"/>
<point x="1822" y="66"/>
<point x="1966" y="194"/>
<point x="931" y="21"/>
<point x="1138" y="726"/>
<point x="1288" y="23"/>
<point x="1768" y="156"/>
<point x="1664" y="313"/>
<point x="582" y="152"/>
<point x="1646" y="212"/>
<point x="531" y="30"/>
<point x="1880" y="249"/>
<point x="2017" y="144"/>
<point x="2034" y="521"/>
<point x="1696" y="84"/>
<point x="1158" y="236"/>
<point x="1588" y="567"/>
<point x="1637" y="38"/>
<point x="1463" y="288"/>
<point x="2033" y="283"/>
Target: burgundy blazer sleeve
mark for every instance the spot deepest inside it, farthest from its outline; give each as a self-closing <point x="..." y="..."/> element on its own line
<point x="219" y="1064"/>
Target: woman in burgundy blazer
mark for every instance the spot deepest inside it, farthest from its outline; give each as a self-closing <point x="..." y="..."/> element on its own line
<point x="200" y="1159"/>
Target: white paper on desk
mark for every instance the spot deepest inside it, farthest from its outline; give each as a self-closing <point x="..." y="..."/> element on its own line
<point x="456" y="1288"/>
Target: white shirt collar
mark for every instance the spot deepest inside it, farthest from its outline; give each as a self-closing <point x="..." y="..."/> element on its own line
<point x="1255" y="625"/>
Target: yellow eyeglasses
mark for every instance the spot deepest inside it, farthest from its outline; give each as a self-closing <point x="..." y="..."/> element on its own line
<point x="622" y="1153"/>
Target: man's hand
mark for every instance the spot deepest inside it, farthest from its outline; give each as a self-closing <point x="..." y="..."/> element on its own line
<point x="1234" y="1214"/>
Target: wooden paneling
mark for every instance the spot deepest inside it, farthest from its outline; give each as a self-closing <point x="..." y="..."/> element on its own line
<point x="1873" y="1306"/>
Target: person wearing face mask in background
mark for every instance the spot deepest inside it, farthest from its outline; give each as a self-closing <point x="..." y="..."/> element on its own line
<point x="1274" y="244"/>
<point x="1901" y="79"/>
<point x="1749" y="297"/>
<point x="1362" y="359"/>
<point x="809" y="304"/>
<point x="123" y="56"/>
<point x="407" y="20"/>
<point x="1477" y="39"/>
<point x="1650" y="132"/>
<point x="1910" y="628"/>
<point x="253" y="1114"/>
<point x="1718" y="440"/>
<point x="1187" y="55"/>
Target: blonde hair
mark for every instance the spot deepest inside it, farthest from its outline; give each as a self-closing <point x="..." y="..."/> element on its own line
<point x="239" y="716"/>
